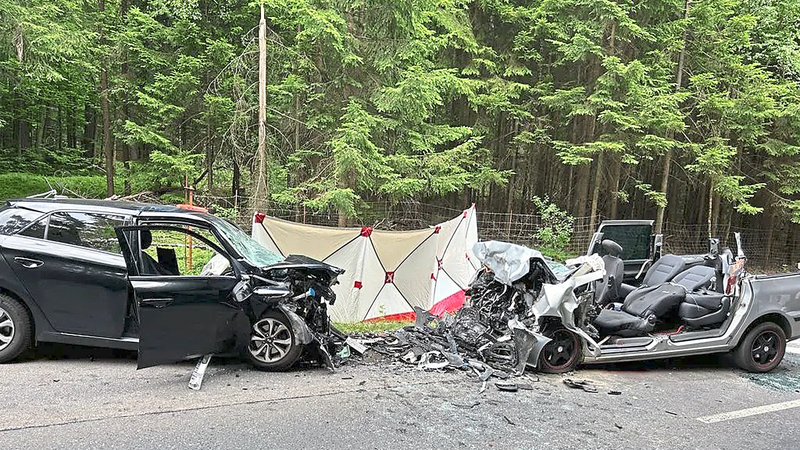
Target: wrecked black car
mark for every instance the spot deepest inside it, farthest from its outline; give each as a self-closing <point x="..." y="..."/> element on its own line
<point x="170" y="282"/>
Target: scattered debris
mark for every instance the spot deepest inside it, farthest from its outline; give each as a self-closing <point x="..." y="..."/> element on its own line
<point x="508" y="420"/>
<point x="614" y="392"/>
<point x="618" y="426"/>
<point x="670" y="412"/>
<point x="196" y="381"/>
<point x="586" y="385"/>
<point x="507" y="387"/>
<point x="355" y="344"/>
<point x="512" y="306"/>
<point x="471" y="405"/>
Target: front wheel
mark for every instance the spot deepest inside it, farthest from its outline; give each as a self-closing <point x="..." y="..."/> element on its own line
<point x="762" y="348"/>
<point x="562" y="353"/>
<point x="272" y="343"/>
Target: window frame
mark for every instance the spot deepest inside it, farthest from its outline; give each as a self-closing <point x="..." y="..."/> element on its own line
<point x="176" y="227"/>
<point x="125" y="220"/>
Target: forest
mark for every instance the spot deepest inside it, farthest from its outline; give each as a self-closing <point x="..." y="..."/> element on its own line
<point x="683" y="111"/>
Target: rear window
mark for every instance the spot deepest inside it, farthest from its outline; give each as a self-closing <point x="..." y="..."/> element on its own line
<point x="14" y="219"/>
<point x="88" y="230"/>
<point x="634" y="240"/>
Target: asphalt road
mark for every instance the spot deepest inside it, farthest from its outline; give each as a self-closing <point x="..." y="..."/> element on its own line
<point x="73" y="398"/>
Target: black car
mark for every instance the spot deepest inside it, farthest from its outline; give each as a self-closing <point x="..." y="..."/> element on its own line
<point x="167" y="281"/>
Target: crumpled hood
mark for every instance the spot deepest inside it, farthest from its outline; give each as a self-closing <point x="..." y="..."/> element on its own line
<point x="509" y="262"/>
<point x="304" y="262"/>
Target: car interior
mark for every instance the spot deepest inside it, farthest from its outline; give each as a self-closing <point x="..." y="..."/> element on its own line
<point x="167" y="263"/>
<point x="670" y="299"/>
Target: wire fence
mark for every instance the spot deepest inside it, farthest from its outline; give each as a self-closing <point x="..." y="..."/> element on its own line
<point x="759" y="244"/>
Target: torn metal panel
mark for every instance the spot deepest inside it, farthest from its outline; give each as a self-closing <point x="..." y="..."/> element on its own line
<point x="302" y="333"/>
<point x="508" y="262"/>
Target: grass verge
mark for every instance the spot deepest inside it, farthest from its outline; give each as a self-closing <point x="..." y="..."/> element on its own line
<point x="373" y="327"/>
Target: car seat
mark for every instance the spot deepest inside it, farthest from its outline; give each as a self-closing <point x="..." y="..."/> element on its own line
<point x="663" y="270"/>
<point x="609" y="291"/>
<point x="645" y="306"/>
<point x="149" y="265"/>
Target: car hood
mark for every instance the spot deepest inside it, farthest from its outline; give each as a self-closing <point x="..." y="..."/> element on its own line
<point x="304" y="262"/>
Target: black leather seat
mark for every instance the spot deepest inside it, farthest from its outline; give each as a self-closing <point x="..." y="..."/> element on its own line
<point x="663" y="270"/>
<point x="645" y="306"/>
<point x="696" y="278"/>
<point x="704" y="308"/>
<point x="149" y="265"/>
<point x="610" y="290"/>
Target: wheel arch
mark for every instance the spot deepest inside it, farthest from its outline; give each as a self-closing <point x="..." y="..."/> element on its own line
<point x="774" y="317"/>
<point x="25" y="305"/>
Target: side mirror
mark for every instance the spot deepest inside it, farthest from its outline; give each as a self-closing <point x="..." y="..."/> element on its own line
<point x="243" y="289"/>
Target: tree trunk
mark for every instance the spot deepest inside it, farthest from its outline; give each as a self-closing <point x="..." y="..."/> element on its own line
<point x="41" y="127"/>
<point x="235" y="182"/>
<point x="71" y="125"/>
<point x="616" y="172"/>
<point x="108" y="149"/>
<point x="89" y="128"/>
<point x="261" y="194"/>
<point x="596" y="190"/>
<point x="668" y="157"/>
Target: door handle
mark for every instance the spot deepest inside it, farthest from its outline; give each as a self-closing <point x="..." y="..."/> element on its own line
<point x="28" y="263"/>
<point x="157" y="302"/>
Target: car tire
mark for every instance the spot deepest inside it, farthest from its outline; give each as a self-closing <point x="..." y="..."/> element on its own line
<point x="15" y="329"/>
<point x="762" y="348"/>
<point x="562" y="354"/>
<point x="272" y="345"/>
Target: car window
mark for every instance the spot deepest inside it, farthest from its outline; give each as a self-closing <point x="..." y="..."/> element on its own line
<point x="14" y="219"/>
<point x="634" y="240"/>
<point x="36" y="229"/>
<point x="176" y="252"/>
<point x="89" y="230"/>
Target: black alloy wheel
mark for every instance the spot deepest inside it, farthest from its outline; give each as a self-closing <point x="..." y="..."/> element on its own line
<point x="762" y="349"/>
<point x="562" y="353"/>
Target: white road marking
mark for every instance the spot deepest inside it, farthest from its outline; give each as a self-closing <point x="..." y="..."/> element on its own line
<point x="750" y="412"/>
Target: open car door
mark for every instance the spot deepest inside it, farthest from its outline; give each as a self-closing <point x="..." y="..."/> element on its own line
<point x="640" y="247"/>
<point x="180" y="315"/>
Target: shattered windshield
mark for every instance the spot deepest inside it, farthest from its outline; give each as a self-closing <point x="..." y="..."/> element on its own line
<point x="559" y="270"/>
<point x="246" y="246"/>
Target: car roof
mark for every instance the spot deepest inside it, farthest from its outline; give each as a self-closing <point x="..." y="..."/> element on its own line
<point x="123" y="207"/>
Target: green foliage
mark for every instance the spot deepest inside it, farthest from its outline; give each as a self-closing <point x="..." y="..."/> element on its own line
<point x="19" y="185"/>
<point x="555" y="230"/>
<point x="371" y="327"/>
<point x="425" y="100"/>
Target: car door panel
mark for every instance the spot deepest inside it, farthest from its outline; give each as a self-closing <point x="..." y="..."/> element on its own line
<point x="80" y="290"/>
<point x="635" y="238"/>
<point x="182" y="316"/>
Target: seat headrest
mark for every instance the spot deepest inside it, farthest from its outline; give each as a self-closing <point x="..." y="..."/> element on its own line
<point x="611" y="247"/>
<point x="145" y="239"/>
<point x="695" y="277"/>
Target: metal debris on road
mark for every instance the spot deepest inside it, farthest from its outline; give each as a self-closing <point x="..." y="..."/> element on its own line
<point x="586" y="385"/>
<point x="196" y="381"/>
